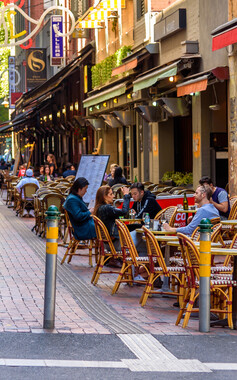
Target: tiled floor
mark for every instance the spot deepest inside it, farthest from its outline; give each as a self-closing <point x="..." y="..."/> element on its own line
<point x="22" y="294"/>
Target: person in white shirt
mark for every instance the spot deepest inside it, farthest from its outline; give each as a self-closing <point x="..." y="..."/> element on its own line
<point x="27" y="179"/>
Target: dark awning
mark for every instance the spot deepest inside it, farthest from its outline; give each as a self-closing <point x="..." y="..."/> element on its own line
<point x="6" y="127"/>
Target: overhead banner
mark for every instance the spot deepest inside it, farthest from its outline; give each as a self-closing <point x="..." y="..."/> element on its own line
<point x="36" y="72"/>
<point x="56" y="41"/>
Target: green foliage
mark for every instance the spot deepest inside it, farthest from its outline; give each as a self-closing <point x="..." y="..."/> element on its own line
<point x="102" y="71"/>
<point x="178" y="178"/>
<point x="3" y="113"/>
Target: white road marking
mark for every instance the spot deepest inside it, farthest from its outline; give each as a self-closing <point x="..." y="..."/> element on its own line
<point x="151" y="355"/>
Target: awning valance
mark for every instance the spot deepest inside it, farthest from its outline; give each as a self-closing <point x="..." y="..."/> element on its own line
<point x="150" y="79"/>
<point x="224" y="35"/>
<point x="194" y="85"/>
<point x="105" y="95"/>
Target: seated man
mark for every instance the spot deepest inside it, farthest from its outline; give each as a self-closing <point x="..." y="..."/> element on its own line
<point x="25" y="180"/>
<point x="70" y="170"/>
<point x="144" y="201"/>
<point x="219" y="199"/>
<point x="205" y="210"/>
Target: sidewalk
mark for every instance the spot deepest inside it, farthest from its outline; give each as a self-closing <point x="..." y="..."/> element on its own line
<point x="80" y="306"/>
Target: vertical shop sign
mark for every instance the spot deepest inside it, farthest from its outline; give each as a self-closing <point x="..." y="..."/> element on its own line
<point x="36" y="72"/>
<point x="12" y="78"/>
<point x="56" y="41"/>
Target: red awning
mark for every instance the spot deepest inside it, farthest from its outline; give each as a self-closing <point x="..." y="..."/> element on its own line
<point x="195" y="85"/>
<point x="125" y="67"/>
<point x="224" y="39"/>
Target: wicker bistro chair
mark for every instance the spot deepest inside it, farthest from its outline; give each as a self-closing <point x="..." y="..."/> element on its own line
<point x="103" y="238"/>
<point x="221" y="289"/>
<point x="56" y="200"/>
<point x="27" y="196"/>
<point x="177" y="273"/>
<point x="228" y="231"/>
<point x="232" y="200"/>
<point x="130" y="258"/>
<point x="75" y="244"/>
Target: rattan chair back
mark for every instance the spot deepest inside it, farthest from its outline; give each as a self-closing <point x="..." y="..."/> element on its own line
<point x="103" y="235"/>
<point x="190" y="257"/>
<point x="154" y="251"/>
<point x="126" y="242"/>
<point x="169" y="213"/>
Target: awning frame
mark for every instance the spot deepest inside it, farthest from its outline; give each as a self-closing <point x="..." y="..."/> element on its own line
<point x="105" y="95"/>
<point x="151" y="78"/>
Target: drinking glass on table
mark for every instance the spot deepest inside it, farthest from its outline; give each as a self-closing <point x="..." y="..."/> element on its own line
<point x="163" y="221"/>
<point x="143" y="217"/>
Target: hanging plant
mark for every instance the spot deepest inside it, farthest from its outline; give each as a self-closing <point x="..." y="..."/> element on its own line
<point x="102" y="72"/>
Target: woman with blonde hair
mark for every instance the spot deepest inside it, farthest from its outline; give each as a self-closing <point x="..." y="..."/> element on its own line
<point x="52" y="164"/>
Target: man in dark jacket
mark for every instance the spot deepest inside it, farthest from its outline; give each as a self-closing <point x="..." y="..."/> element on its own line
<point x="144" y="201"/>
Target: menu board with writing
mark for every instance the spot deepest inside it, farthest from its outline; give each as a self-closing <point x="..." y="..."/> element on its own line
<point x="92" y="168"/>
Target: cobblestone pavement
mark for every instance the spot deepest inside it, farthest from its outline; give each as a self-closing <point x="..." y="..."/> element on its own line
<point x="22" y="292"/>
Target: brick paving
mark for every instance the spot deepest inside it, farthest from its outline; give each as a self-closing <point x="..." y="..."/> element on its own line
<point x="22" y="292"/>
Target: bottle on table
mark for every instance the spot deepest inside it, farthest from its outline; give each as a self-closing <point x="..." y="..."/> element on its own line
<point x="185" y="202"/>
<point x="45" y="178"/>
<point x="147" y="220"/>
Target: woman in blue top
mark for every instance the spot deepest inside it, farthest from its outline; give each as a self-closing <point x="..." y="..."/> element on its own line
<point x="78" y="212"/>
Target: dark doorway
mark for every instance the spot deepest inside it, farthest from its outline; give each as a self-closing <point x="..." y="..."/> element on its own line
<point x="183" y="151"/>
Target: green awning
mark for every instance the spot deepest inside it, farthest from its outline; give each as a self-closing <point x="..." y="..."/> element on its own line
<point x="150" y="79"/>
<point x="105" y="95"/>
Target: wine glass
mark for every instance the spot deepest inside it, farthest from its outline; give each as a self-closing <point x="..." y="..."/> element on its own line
<point x="143" y="216"/>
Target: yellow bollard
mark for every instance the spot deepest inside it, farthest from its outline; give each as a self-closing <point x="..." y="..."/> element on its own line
<point x="51" y="266"/>
<point x="205" y="275"/>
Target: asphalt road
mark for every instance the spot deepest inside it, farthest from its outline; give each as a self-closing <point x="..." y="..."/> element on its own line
<point x="89" y="352"/>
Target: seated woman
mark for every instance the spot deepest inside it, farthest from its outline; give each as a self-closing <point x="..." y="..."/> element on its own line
<point x="46" y="176"/>
<point x="105" y="210"/>
<point x="79" y="215"/>
<point x="118" y="177"/>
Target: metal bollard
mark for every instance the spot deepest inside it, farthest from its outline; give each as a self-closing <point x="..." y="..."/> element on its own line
<point x="205" y="274"/>
<point x="50" y="266"/>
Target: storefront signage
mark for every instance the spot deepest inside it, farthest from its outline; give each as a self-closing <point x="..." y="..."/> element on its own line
<point x="36" y="73"/>
<point x="12" y="78"/>
<point x="196" y="144"/>
<point x="56" y="40"/>
<point x="170" y="24"/>
<point x="11" y="10"/>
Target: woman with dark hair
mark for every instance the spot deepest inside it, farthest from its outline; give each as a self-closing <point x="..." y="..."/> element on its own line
<point x="52" y="164"/>
<point x="118" y="177"/>
<point x="105" y="210"/>
<point x="78" y="212"/>
<point x="46" y="176"/>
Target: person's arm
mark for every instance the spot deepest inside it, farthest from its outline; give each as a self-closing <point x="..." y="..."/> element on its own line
<point x="223" y="202"/>
<point x="51" y="169"/>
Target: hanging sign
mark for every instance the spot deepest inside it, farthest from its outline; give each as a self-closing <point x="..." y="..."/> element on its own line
<point x="36" y="73"/>
<point x="12" y="78"/>
<point x="56" y="40"/>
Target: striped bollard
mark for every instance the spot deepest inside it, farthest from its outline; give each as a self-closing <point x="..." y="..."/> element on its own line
<point x="51" y="266"/>
<point x="205" y="274"/>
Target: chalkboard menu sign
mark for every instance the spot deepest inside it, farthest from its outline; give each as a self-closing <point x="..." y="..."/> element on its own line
<point x="92" y="168"/>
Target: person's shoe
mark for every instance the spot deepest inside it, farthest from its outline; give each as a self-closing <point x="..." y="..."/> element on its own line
<point x="114" y="263"/>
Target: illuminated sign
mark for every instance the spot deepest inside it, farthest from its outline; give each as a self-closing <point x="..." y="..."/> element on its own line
<point x="56" y="40"/>
<point x="12" y="9"/>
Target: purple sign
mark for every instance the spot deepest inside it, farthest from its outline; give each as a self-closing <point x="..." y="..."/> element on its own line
<point x="56" y="40"/>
